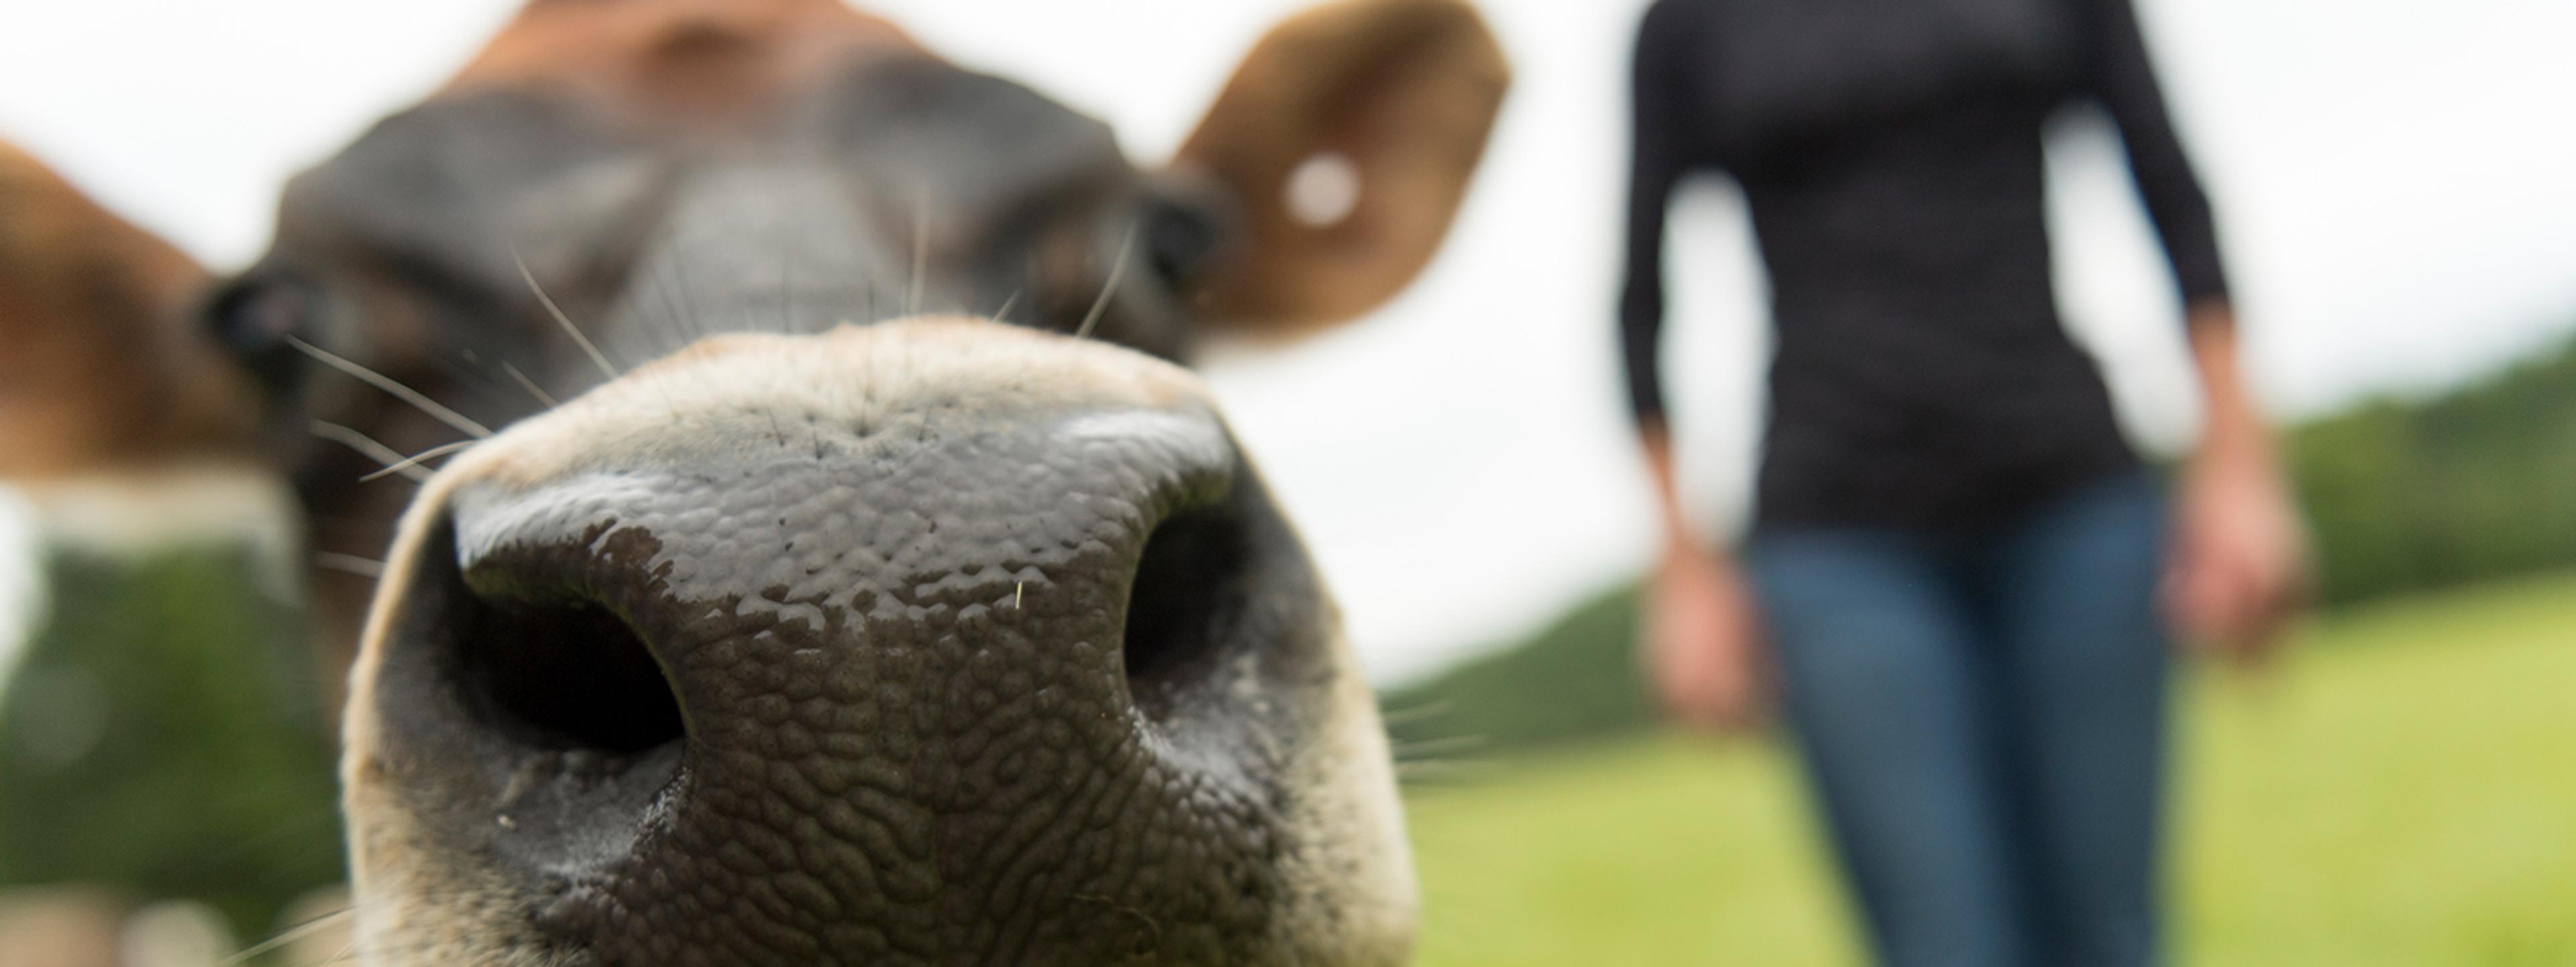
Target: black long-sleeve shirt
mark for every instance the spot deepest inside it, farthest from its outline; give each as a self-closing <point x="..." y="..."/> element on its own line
<point x="1890" y="153"/>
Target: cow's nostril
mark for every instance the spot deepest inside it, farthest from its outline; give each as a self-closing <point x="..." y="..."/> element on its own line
<point x="1189" y="590"/>
<point x="564" y="674"/>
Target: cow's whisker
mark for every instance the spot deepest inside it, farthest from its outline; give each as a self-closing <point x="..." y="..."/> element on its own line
<point x="348" y="954"/>
<point x="531" y="386"/>
<point x="287" y="936"/>
<point x="388" y="384"/>
<point x="596" y="357"/>
<point x="366" y="445"/>
<point x="1439" y="746"/>
<point x="1117" y="272"/>
<point x="787" y="289"/>
<point x="414" y="461"/>
<point x="673" y="291"/>
<point x="688" y="297"/>
<point x="920" y="251"/>
<point x="349" y="564"/>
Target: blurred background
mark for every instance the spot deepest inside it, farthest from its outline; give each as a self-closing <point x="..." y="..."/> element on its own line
<point x="2393" y="184"/>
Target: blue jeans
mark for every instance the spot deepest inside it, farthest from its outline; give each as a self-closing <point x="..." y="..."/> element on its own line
<point x="1982" y="716"/>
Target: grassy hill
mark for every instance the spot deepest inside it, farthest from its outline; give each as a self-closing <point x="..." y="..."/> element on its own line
<point x="2473" y="484"/>
<point x="2400" y="793"/>
<point x="1572" y="681"/>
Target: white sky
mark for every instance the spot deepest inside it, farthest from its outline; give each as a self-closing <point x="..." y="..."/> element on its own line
<point x="2397" y="180"/>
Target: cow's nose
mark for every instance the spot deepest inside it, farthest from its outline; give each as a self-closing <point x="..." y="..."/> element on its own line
<point x="880" y="685"/>
<point x="911" y="574"/>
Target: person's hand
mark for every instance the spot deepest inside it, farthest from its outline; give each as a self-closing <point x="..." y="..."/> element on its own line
<point x="2239" y="570"/>
<point x="1701" y="645"/>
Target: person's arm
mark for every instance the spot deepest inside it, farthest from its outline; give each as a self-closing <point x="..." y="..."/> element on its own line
<point x="2239" y="569"/>
<point x="2236" y="425"/>
<point x="1698" y="640"/>
<point x="2124" y="81"/>
<point x="1659" y="138"/>
<point x="2239" y="565"/>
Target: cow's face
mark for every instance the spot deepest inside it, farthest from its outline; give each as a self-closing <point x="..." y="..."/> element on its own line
<point x="880" y="592"/>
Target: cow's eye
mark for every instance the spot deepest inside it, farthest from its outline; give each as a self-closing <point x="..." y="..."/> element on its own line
<point x="254" y="316"/>
<point x="1182" y="238"/>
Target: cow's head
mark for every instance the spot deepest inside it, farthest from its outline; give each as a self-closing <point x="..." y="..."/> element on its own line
<point x="880" y="591"/>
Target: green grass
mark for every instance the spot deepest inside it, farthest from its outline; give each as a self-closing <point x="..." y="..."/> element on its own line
<point x="163" y="734"/>
<point x="2402" y="791"/>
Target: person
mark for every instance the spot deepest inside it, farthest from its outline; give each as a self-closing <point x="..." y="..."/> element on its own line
<point x="1958" y="576"/>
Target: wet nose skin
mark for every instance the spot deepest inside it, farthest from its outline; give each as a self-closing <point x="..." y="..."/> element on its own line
<point x="917" y="681"/>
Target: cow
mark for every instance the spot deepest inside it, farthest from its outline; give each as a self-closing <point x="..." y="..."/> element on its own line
<point x="831" y="561"/>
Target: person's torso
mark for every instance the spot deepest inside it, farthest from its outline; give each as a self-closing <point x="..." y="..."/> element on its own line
<point x="1922" y="377"/>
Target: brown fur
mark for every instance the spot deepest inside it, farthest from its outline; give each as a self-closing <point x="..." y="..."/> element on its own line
<point x="1407" y="90"/>
<point x="691" y="60"/>
<point x="100" y="364"/>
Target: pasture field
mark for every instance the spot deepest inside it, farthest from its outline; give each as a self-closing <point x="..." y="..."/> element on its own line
<point x="2400" y="791"/>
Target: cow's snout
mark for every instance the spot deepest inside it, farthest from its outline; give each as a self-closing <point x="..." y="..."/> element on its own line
<point x="932" y="642"/>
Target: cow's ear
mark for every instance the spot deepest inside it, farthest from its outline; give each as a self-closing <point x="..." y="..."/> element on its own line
<point x="1347" y="139"/>
<point x="99" y="368"/>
